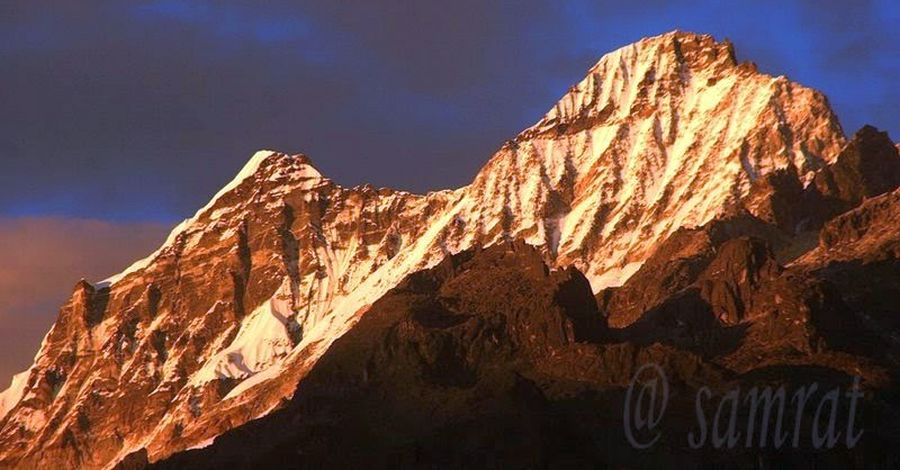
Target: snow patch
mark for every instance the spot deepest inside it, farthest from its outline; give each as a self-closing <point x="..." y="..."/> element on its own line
<point x="262" y="340"/>
<point x="614" y="277"/>
<point x="11" y="396"/>
<point x="202" y="444"/>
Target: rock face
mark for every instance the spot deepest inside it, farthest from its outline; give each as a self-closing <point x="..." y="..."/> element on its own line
<point x="858" y="255"/>
<point x="218" y="326"/>
<point x="162" y="353"/>
<point x="867" y="167"/>
<point x="472" y="362"/>
<point x="490" y="359"/>
<point x="680" y="261"/>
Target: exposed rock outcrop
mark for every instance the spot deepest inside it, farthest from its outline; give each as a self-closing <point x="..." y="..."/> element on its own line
<point x="479" y="362"/>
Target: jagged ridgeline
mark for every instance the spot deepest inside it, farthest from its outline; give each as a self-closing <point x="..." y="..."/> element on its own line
<point x="219" y="325"/>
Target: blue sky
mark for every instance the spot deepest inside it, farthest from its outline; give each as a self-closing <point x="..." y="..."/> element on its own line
<point x="140" y="110"/>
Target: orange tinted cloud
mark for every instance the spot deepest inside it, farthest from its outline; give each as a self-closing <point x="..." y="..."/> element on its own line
<point x="41" y="259"/>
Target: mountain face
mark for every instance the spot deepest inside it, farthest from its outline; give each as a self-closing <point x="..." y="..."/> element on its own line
<point x="865" y="168"/>
<point x="473" y="362"/>
<point x="491" y="359"/>
<point x="219" y="325"/>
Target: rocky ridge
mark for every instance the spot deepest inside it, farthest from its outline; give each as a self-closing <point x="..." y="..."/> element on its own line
<point x="492" y="358"/>
<point x="218" y="326"/>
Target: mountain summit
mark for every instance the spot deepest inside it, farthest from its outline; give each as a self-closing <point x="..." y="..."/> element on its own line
<point x="663" y="133"/>
<point x="218" y="326"/>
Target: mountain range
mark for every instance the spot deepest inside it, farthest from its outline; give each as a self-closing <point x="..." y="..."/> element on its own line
<point x="675" y="206"/>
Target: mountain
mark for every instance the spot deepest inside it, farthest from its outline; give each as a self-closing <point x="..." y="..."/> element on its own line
<point x="485" y="359"/>
<point x="493" y="358"/>
<point x="219" y="325"/>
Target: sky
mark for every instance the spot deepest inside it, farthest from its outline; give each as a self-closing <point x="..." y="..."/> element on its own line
<point x="120" y="118"/>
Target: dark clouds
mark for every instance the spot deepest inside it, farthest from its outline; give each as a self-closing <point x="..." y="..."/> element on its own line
<point x="141" y="110"/>
<point x="41" y="259"/>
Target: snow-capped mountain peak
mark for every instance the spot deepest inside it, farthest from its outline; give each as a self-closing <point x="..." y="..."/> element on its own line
<point x="218" y="325"/>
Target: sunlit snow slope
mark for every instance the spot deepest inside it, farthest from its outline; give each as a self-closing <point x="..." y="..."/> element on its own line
<point x="218" y="325"/>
